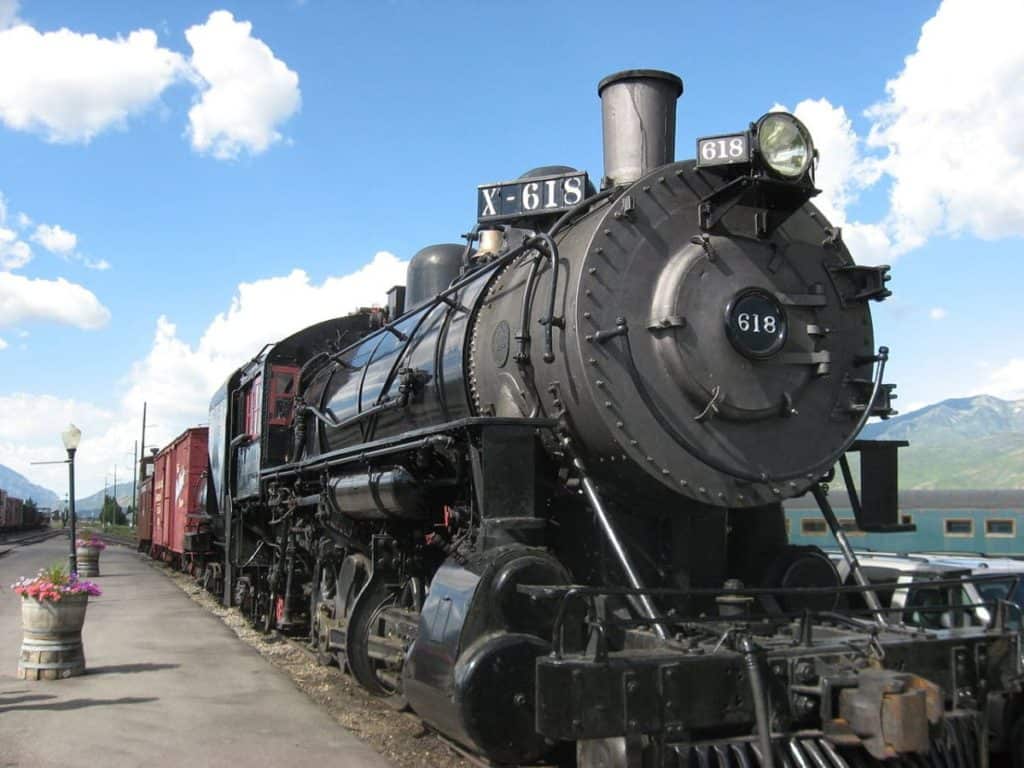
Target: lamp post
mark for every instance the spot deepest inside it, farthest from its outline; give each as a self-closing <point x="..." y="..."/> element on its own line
<point x="71" y="437"/>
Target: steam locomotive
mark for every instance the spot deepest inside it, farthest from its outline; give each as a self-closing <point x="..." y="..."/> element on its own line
<point x="537" y="498"/>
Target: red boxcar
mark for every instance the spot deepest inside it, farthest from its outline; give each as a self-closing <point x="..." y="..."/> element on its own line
<point x="179" y="477"/>
<point x="11" y="512"/>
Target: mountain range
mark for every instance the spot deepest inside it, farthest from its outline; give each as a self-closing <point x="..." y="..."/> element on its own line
<point x="964" y="443"/>
<point x="19" y="486"/>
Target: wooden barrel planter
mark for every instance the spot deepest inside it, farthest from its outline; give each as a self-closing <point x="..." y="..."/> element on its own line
<point x="51" y="645"/>
<point x="88" y="561"/>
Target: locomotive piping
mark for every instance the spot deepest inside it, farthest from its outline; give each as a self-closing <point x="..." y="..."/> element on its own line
<point x="848" y="554"/>
<point x="646" y="605"/>
<point x="752" y="659"/>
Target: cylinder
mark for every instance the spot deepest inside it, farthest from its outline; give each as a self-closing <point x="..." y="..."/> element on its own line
<point x="51" y="646"/>
<point x="638" y="117"/>
<point x="88" y="561"/>
<point x="430" y="271"/>
<point x="378" y="494"/>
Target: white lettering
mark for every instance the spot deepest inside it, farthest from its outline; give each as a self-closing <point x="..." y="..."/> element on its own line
<point x="549" y="193"/>
<point x="573" y="190"/>
<point x="490" y="193"/>
<point x="530" y="197"/>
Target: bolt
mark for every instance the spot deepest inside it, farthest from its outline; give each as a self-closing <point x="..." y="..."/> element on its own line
<point x="592" y="271"/>
<point x="519" y="700"/>
<point x="586" y="315"/>
<point x="634" y="442"/>
<point x="619" y="424"/>
<point x="632" y="687"/>
<point x="599" y="383"/>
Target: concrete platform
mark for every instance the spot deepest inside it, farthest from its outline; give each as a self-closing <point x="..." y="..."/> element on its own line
<point x="168" y="684"/>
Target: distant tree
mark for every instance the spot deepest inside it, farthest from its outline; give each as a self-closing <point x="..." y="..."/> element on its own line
<point x="30" y="506"/>
<point x="112" y="514"/>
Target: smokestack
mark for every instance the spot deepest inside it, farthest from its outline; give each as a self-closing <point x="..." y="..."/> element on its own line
<point x="638" y="115"/>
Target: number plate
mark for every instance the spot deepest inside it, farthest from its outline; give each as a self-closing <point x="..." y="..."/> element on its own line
<point x="540" y="196"/>
<point x="723" y="150"/>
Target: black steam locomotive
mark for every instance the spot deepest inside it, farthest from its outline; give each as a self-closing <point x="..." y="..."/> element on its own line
<point x="537" y="498"/>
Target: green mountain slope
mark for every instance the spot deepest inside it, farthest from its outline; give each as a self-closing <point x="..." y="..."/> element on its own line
<point x="965" y="443"/>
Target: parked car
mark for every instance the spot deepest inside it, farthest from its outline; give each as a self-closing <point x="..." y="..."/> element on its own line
<point x="913" y="600"/>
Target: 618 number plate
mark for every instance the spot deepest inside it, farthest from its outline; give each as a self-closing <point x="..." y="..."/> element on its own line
<point x="723" y="150"/>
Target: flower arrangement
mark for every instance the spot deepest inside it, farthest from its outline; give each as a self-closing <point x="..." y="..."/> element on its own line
<point x="94" y="542"/>
<point x="53" y="584"/>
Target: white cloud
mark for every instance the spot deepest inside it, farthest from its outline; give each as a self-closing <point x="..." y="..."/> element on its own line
<point x="23" y="298"/>
<point x="3" y="344"/>
<point x="55" y="239"/>
<point x="23" y="220"/>
<point x="71" y="86"/>
<point x="14" y="253"/>
<point x="249" y="92"/>
<point x="946" y="138"/>
<point x="1006" y="381"/>
<point x="177" y="378"/>
<point x="937" y="313"/>
<point x="99" y="265"/>
<point x="950" y="127"/>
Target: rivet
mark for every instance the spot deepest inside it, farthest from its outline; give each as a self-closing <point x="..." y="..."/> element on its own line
<point x="741" y="497"/>
<point x="586" y="315"/>
<point x="592" y="271"/>
<point x="721" y="495"/>
<point x="589" y="337"/>
<point x="592" y="361"/>
<point x="792" y="484"/>
<point x="607" y="233"/>
<point x="776" y="491"/>
<point x="647" y="187"/>
<point x="599" y="250"/>
<point x="661" y="179"/>
<point x="619" y="424"/>
<point x="684" y="483"/>
<point x="607" y="403"/>
<point x="665" y="472"/>
<point x="702" y="489"/>
<point x="599" y="383"/>
<point x="588" y="292"/>
<point x="634" y="442"/>
<point x="650" y="458"/>
<point x="679" y="173"/>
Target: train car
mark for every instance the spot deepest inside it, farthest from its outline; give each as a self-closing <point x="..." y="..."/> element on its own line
<point x="144" y="514"/>
<point x="966" y="522"/>
<point x="538" y="500"/>
<point x="179" y="496"/>
<point x="13" y="514"/>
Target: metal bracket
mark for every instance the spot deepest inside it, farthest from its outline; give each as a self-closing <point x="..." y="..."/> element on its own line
<point x="857" y="283"/>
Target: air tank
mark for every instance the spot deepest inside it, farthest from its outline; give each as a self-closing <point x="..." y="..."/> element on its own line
<point x="430" y="271"/>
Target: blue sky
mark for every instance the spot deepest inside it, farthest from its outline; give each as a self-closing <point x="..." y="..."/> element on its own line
<point x="337" y="138"/>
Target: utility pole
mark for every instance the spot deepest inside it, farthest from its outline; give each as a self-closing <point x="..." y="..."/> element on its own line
<point x="138" y="466"/>
<point x="135" y="477"/>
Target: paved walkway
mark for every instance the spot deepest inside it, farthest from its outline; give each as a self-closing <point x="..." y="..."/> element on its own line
<point x="168" y="684"/>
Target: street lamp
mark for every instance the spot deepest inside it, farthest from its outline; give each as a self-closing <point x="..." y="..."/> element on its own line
<point x="72" y="436"/>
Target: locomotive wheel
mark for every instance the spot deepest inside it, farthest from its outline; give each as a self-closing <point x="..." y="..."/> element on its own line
<point x="349" y="582"/>
<point x="321" y="612"/>
<point x="365" y="622"/>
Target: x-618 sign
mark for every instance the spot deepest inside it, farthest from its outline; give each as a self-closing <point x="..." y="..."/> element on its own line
<point x="522" y="198"/>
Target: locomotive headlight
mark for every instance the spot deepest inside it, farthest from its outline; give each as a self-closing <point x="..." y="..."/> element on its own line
<point x="785" y="144"/>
